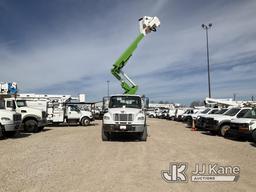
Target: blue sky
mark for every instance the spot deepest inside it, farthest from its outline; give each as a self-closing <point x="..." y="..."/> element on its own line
<point x="69" y="46"/>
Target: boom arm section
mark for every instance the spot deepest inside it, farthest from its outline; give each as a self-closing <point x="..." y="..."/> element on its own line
<point x="127" y="84"/>
<point x="147" y="24"/>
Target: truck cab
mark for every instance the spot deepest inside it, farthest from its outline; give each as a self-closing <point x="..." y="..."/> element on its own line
<point x="244" y="126"/>
<point x="10" y="121"/>
<point x="33" y="120"/>
<point x="124" y="114"/>
<point x="221" y="124"/>
<point x="75" y="115"/>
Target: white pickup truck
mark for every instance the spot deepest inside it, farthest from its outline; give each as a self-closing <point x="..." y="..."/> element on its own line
<point x="10" y="121"/>
<point x="245" y="126"/>
<point x="221" y="124"/>
<point x="124" y="114"/>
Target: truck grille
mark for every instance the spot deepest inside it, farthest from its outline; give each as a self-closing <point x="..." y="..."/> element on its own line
<point x="123" y="117"/>
<point x="239" y="125"/>
<point x="44" y="114"/>
<point x="17" y="117"/>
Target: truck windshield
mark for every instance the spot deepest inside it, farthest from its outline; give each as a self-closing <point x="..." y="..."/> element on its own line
<point x="2" y="106"/>
<point x="250" y="114"/>
<point x="232" y="112"/>
<point x="221" y="111"/>
<point x="74" y="108"/>
<point x="21" y="103"/>
<point x="205" y="111"/>
<point x="127" y="101"/>
<point x="214" y="111"/>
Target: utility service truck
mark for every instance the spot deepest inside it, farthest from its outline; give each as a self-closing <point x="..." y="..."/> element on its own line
<point x="126" y="112"/>
<point x="60" y="108"/>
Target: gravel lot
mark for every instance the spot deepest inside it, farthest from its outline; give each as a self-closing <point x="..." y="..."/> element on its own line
<point x="75" y="159"/>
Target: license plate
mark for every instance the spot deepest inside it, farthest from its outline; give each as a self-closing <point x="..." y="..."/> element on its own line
<point x="122" y="127"/>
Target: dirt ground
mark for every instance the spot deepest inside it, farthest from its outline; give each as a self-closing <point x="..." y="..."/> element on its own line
<point x="75" y="159"/>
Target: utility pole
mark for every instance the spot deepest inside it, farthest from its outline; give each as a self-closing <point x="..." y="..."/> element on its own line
<point x="108" y="86"/>
<point x="234" y="97"/>
<point x="206" y="27"/>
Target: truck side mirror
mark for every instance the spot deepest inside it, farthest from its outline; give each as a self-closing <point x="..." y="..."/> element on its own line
<point x="105" y="110"/>
<point x="146" y="103"/>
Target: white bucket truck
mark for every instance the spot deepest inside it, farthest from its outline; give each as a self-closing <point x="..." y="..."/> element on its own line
<point x="124" y="114"/>
<point x="60" y="108"/>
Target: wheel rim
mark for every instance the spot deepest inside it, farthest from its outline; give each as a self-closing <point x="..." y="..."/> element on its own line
<point x="224" y="130"/>
<point x="86" y="122"/>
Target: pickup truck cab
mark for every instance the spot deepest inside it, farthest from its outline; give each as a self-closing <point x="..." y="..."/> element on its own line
<point x="245" y="126"/>
<point x="201" y="120"/>
<point x="221" y="124"/>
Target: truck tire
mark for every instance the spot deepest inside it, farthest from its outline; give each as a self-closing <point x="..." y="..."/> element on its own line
<point x="224" y="129"/>
<point x="151" y="116"/>
<point x="1" y="132"/>
<point x="85" y="121"/>
<point x="254" y="136"/>
<point x="104" y="135"/>
<point x="144" y="135"/>
<point x="31" y="126"/>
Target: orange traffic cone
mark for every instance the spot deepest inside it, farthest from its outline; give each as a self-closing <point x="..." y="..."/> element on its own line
<point x="193" y="128"/>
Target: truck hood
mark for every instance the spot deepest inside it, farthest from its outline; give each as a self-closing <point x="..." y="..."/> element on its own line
<point x="213" y="115"/>
<point x="223" y="117"/>
<point x="242" y="120"/>
<point x="124" y="110"/>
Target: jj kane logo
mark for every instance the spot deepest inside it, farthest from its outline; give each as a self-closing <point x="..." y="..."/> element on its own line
<point x="201" y="173"/>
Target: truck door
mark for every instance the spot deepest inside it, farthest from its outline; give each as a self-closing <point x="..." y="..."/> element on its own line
<point x="10" y="105"/>
<point x="73" y="112"/>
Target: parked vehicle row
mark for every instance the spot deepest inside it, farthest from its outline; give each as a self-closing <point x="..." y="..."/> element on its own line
<point x="239" y="122"/>
<point x="31" y="112"/>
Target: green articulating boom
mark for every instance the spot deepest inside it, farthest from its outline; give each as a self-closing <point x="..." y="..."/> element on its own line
<point x="147" y="24"/>
<point x="129" y="87"/>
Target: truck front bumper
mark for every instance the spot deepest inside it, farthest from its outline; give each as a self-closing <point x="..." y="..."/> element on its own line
<point x="12" y="127"/>
<point x="42" y="123"/>
<point x="123" y="128"/>
<point x="240" y="132"/>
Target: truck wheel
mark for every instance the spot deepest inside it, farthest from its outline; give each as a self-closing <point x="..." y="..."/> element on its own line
<point x="1" y="132"/>
<point x="144" y="135"/>
<point x="224" y="129"/>
<point x="31" y="126"/>
<point x="104" y="135"/>
<point x="85" y="121"/>
<point x="151" y="116"/>
<point x="254" y="136"/>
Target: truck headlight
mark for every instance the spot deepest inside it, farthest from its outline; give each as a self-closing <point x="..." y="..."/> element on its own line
<point x="252" y="122"/>
<point x="141" y="118"/>
<point x="106" y="118"/>
<point x="5" y="119"/>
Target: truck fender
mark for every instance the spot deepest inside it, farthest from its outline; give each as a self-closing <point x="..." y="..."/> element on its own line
<point x="225" y="122"/>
